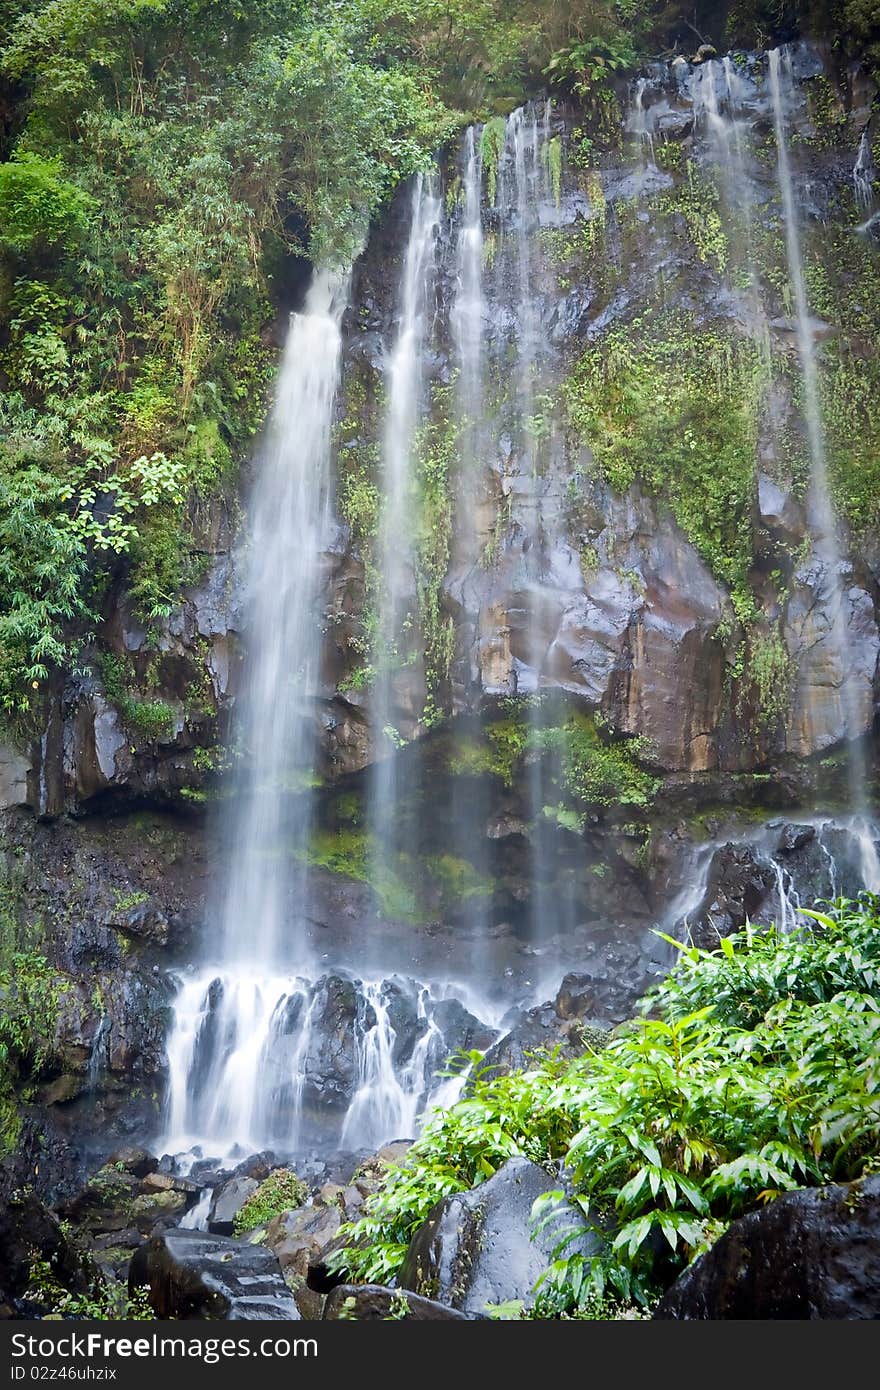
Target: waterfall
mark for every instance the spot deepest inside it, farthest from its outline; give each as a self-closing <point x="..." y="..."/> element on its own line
<point x="719" y="93"/>
<point x="287" y="1062"/>
<point x="393" y="654"/>
<point x="262" y="899"/>
<point x="638" y="123"/>
<point x="864" y="173"/>
<point x="97" y="1054"/>
<point x="289" y="534"/>
<point x="782" y="90"/>
<point x="470" y="806"/>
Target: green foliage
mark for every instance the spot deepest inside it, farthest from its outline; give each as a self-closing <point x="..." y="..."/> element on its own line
<point x="281" y="1191"/>
<point x="696" y="200"/>
<point x="596" y="773"/>
<point x="30" y="996"/>
<point x="106" y="1301"/>
<point x="39" y="210"/>
<point x="677" y="408"/>
<point x="754" y="1071"/>
<point x="153" y="719"/>
<point x="42" y="564"/>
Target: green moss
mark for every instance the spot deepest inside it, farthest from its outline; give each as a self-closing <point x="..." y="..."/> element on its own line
<point x="595" y="771"/>
<point x="553" y="156"/>
<point x="437" y="460"/>
<point x="457" y="879"/>
<point x="676" y="407"/>
<point x="696" y="200"/>
<point x="154" y="719"/>
<point x="280" y="1192"/>
<point x="768" y="672"/>
<point x="31" y="991"/>
<point x="123" y="902"/>
<point x="491" y="149"/>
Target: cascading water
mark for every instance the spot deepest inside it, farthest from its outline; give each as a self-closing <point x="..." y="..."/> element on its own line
<point x="719" y="92"/>
<point x="264" y="889"/>
<point x="223" y="1018"/>
<point x="469" y="796"/>
<point x="248" y="1054"/>
<point x="856" y="704"/>
<point x="864" y="173"/>
<point x="393" y="652"/>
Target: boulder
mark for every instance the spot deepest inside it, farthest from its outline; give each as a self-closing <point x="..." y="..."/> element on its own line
<point x="152" y="1208"/>
<point x="194" y="1275"/>
<point x="737" y="887"/>
<point x="375" y="1303"/>
<point x="477" y="1248"/>
<point x="298" y="1238"/>
<point x="810" y="1254"/>
<point x="228" y="1202"/>
<point x="139" y="1162"/>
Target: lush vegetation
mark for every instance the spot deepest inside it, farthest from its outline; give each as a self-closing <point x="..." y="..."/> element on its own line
<point x="281" y="1191"/>
<point x="754" y="1070"/>
<point x="30" y="996"/>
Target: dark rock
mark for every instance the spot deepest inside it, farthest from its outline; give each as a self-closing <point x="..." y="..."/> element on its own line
<point x="152" y="1209"/>
<point x="375" y="1303"/>
<point x="193" y="1275"/>
<point x="257" y="1166"/>
<point x="300" y="1239"/>
<point x="228" y="1202"/>
<point x="779" y="512"/>
<point x="810" y="1254"/>
<point x="138" y="1162"/>
<point x="106" y="1201"/>
<point x="738" y="886"/>
<point x="170" y="1182"/>
<point x="476" y="1247"/>
<point x="576" y="996"/>
<point x="794" y="838"/>
<point x="29" y="1231"/>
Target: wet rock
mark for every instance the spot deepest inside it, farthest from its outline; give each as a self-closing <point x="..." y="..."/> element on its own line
<point x="299" y="1239"/>
<point x="375" y="1303"/>
<point x="139" y="1162"/>
<point x="779" y="512"/>
<point x="228" y="1202"/>
<point x="169" y="1182"/>
<point x="29" y="1231"/>
<point x="794" y="837"/>
<point x="106" y="1201"/>
<point x="257" y="1166"/>
<point x="738" y="886"/>
<point x="145" y="921"/>
<point x="153" y="1208"/>
<point x="476" y="1248"/>
<point x="14" y="769"/>
<point x="809" y="1254"/>
<point x="193" y="1275"/>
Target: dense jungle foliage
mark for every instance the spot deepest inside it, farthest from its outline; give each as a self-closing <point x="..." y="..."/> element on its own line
<point x="753" y="1071"/>
<point x="167" y="166"/>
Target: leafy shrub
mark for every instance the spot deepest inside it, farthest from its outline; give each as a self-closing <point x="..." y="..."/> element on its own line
<point x="279" y="1192"/>
<point x="758" y="1074"/>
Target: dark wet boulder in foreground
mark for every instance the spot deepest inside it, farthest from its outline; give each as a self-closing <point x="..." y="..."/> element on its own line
<point x="194" y="1275"/>
<point x="811" y="1254"/>
<point x="480" y="1248"/>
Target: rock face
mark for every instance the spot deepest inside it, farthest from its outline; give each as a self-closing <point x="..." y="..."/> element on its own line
<point x="228" y="1202"/>
<point x="375" y="1303"/>
<point x="193" y="1275"/>
<point x="810" y="1254"/>
<point x="476" y="1248"/>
